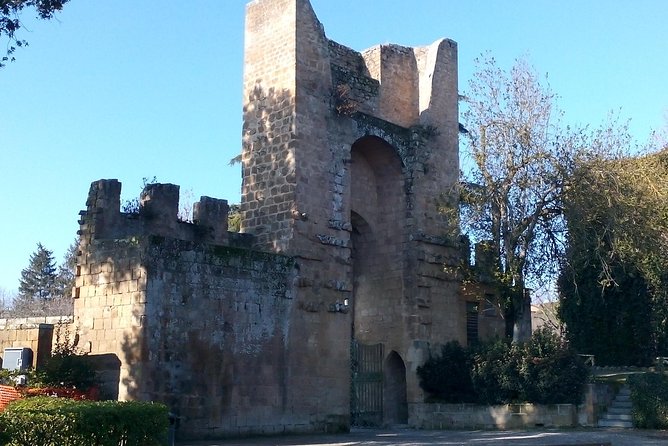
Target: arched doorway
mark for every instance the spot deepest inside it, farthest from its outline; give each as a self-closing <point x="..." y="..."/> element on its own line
<point x="395" y="406"/>
<point x="377" y="216"/>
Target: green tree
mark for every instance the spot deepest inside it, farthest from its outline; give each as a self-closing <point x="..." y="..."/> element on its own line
<point x="234" y="218"/>
<point x="67" y="271"/>
<point x="10" y="21"/>
<point x="44" y="288"/>
<point x="38" y="280"/>
<point x="614" y="278"/>
<point x="517" y="153"/>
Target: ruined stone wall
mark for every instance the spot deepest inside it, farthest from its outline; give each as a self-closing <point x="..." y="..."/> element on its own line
<point x="398" y="85"/>
<point x="217" y="321"/>
<point x="300" y="219"/>
<point x="424" y="308"/>
<point x="216" y="331"/>
<point x="268" y="158"/>
<point x="378" y="245"/>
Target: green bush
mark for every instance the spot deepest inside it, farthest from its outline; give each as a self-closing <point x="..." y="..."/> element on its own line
<point x="495" y="372"/>
<point x="544" y="370"/>
<point x="551" y="372"/>
<point x="68" y="366"/>
<point x="447" y="376"/>
<point x="649" y="394"/>
<point x="65" y="370"/>
<point x="47" y="421"/>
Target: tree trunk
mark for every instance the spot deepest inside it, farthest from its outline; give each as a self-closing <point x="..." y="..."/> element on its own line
<point x="518" y="317"/>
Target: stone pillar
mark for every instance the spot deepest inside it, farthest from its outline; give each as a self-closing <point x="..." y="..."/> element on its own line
<point x="211" y="213"/>
<point x="159" y="205"/>
<point x="102" y="210"/>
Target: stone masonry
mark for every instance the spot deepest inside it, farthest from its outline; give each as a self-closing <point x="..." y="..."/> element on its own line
<point x="348" y="158"/>
<point x="348" y="161"/>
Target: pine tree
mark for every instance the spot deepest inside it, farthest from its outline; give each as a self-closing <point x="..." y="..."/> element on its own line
<point x="66" y="272"/>
<point x="38" y="280"/>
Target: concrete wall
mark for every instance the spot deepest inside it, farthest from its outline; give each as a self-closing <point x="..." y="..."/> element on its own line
<point x="598" y="397"/>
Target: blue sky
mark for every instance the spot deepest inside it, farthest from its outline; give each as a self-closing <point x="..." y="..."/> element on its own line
<point x="131" y="89"/>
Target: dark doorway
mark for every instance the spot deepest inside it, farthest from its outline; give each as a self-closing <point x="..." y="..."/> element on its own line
<point x="395" y="407"/>
<point x="366" y="392"/>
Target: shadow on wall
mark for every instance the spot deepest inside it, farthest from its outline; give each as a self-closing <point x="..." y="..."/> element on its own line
<point x="108" y="372"/>
<point x="132" y="352"/>
<point x="173" y="343"/>
<point x="268" y="167"/>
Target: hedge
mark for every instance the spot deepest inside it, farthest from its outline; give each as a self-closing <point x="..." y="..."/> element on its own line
<point x="649" y="394"/>
<point x="544" y="370"/>
<point x="448" y="379"/>
<point x="49" y="421"/>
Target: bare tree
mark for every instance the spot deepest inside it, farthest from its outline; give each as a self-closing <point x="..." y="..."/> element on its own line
<point x="6" y="299"/>
<point x="517" y="153"/>
<point x="659" y="138"/>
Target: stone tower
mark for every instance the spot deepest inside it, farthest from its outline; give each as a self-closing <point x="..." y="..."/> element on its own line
<point x="348" y="160"/>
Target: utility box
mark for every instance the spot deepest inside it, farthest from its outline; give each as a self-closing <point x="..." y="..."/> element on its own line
<point x="17" y="358"/>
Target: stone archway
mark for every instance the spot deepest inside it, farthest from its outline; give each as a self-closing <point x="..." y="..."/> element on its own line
<point x="377" y="240"/>
<point x="395" y="406"/>
<point x="377" y="213"/>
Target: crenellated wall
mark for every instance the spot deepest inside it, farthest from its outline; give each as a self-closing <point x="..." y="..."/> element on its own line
<point x="198" y="321"/>
<point x="157" y="215"/>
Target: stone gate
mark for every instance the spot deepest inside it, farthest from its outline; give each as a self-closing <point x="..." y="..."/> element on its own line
<point x="348" y="161"/>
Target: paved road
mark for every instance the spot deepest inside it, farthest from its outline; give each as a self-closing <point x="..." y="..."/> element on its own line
<point x="407" y="437"/>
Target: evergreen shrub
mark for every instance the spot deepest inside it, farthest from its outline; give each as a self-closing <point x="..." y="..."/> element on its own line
<point x="551" y="372"/>
<point x="543" y="370"/>
<point x="447" y="376"/>
<point x="495" y="372"/>
<point x="48" y="421"/>
<point x="649" y="394"/>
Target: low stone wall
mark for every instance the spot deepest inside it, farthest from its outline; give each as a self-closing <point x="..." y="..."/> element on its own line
<point x="36" y="333"/>
<point x="598" y="397"/>
<point x="510" y="416"/>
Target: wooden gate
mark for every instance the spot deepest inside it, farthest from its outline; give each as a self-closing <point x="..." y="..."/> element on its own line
<point x="366" y="393"/>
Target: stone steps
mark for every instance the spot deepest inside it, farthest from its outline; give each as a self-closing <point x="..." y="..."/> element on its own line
<point x="619" y="412"/>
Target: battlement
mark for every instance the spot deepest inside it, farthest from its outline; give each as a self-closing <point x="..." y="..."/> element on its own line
<point x="308" y="99"/>
<point x="157" y="215"/>
<point x="394" y="82"/>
